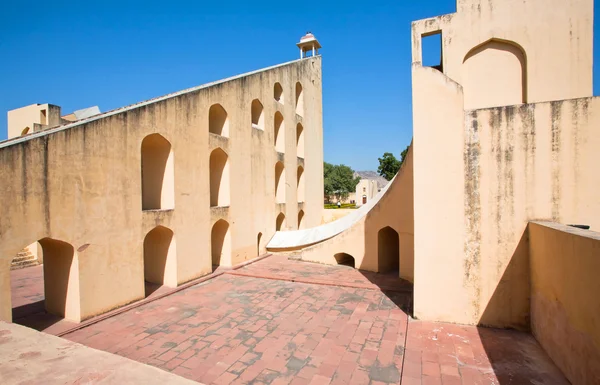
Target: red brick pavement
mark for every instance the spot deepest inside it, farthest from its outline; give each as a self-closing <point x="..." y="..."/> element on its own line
<point x="236" y="329"/>
<point x="241" y="330"/>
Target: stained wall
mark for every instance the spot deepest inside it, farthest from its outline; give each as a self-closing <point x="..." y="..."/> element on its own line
<point x="81" y="184"/>
<point x="512" y="139"/>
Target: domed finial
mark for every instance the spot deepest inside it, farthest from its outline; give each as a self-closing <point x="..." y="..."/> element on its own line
<point x="308" y="43"/>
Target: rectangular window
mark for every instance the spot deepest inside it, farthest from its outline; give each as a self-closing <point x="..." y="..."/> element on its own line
<point x="43" y="119"/>
<point x="432" y="51"/>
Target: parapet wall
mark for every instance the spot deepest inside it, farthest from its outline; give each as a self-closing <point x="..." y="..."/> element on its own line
<point x="565" y="305"/>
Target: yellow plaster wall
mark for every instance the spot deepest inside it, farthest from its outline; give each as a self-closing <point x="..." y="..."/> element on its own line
<point x="481" y="175"/>
<point x="565" y="306"/>
<point x="395" y="209"/>
<point x="82" y="185"/>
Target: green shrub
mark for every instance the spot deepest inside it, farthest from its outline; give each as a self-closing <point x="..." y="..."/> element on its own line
<point x="343" y="206"/>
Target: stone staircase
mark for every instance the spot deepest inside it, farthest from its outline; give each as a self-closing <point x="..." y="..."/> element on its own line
<point x="23" y="259"/>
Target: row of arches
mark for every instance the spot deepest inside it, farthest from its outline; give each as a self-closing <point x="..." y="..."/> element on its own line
<point x="280" y="183"/>
<point x="299" y="92"/>
<point x="280" y="221"/>
<point x="279" y="135"/>
<point x="218" y="121"/>
<point x="219" y="125"/>
<point x="158" y="176"/>
<point x="61" y="297"/>
<point x="388" y="252"/>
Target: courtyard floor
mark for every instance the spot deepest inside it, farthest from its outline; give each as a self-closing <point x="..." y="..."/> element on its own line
<point x="279" y="321"/>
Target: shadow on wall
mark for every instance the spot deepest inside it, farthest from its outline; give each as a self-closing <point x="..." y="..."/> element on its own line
<point x="510" y="305"/>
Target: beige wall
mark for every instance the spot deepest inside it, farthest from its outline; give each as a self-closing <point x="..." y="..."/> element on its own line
<point x="361" y="240"/>
<point x="556" y="37"/>
<point x="82" y="184"/>
<point x="565" y="306"/>
<point x="481" y="175"/>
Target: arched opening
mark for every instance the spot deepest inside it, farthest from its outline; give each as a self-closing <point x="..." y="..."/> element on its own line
<point x="301" y="184"/>
<point x="300" y="140"/>
<point x="279" y="133"/>
<point x="25" y="131"/>
<point x="278" y="92"/>
<point x="159" y="259"/>
<point x="280" y="222"/>
<point x="219" y="178"/>
<point x="345" y="260"/>
<point x="157" y="173"/>
<point x="258" y="238"/>
<point x="299" y="99"/>
<point x="300" y="218"/>
<point x="495" y="74"/>
<point x="279" y="183"/>
<point x="43" y="295"/>
<point x="257" y="115"/>
<point x="220" y="243"/>
<point x="61" y="295"/>
<point x="218" y="123"/>
<point x="388" y="250"/>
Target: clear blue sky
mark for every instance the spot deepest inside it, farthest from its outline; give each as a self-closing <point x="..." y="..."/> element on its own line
<point x="111" y="54"/>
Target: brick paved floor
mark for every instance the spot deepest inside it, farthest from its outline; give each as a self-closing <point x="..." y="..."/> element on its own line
<point x="241" y="329"/>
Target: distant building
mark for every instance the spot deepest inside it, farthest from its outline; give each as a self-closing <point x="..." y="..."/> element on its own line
<point x="37" y="117"/>
<point x="369" y="186"/>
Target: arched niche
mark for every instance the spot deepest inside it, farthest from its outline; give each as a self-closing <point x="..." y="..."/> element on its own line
<point x="258" y="120"/>
<point x="157" y="173"/>
<point x="279" y="183"/>
<point x="494" y="74"/>
<point x="278" y="93"/>
<point x="280" y="222"/>
<point x="300" y="140"/>
<point x="159" y="258"/>
<point x="300" y="219"/>
<point x="301" y="187"/>
<point x="345" y="259"/>
<point x="299" y="99"/>
<point x="220" y="241"/>
<point x="279" y="132"/>
<point x="218" y="122"/>
<point x="388" y="250"/>
<point x="219" y="178"/>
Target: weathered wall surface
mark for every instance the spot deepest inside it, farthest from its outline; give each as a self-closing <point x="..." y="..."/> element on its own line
<point x="482" y="174"/>
<point x="518" y="163"/>
<point x="82" y="185"/>
<point x="361" y="241"/>
<point x="556" y="37"/>
<point x="565" y="307"/>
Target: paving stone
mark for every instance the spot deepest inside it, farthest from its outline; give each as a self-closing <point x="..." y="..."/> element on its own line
<point x="254" y="325"/>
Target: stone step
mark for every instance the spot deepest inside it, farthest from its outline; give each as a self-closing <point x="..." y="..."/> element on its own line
<point x="24" y="264"/>
<point x="21" y="258"/>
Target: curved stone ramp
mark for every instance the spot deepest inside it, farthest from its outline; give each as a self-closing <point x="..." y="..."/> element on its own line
<point x="357" y="235"/>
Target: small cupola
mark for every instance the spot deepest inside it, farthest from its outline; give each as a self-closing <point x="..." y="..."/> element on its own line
<point x="308" y="43"/>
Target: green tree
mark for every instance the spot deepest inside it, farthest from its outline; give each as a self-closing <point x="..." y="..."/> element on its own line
<point x="338" y="180"/>
<point x="403" y="155"/>
<point x="388" y="166"/>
